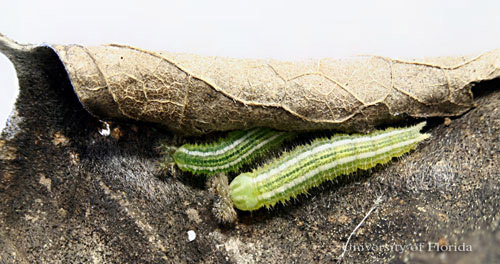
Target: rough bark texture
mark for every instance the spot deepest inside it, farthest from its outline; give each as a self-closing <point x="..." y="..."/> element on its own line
<point x="70" y="195"/>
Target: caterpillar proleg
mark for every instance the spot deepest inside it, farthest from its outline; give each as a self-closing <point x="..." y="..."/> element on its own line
<point x="230" y="153"/>
<point x="324" y="159"/>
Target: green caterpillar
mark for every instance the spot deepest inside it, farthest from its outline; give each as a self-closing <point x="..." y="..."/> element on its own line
<point x="229" y="154"/>
<point x="324" y="159"/>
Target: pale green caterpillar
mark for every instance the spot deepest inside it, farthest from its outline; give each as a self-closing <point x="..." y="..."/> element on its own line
<point x="324" y="159"/>
<point x="229" y="154"/>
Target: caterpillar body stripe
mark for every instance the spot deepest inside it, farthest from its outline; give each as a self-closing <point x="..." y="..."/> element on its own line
<point x="230" y="153"/>
<point x="324" y="159"/>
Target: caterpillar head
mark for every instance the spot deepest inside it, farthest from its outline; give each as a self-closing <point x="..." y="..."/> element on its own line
<point x="243" y="193"/>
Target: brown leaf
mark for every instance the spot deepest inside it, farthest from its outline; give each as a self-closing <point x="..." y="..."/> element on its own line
<point x="193" y="94"/>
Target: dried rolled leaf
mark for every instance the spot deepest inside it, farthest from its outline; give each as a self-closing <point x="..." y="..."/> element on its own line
<point x="193" y="94"/>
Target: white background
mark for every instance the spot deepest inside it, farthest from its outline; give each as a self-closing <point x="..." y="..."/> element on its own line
<point x="276" y="29"/>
